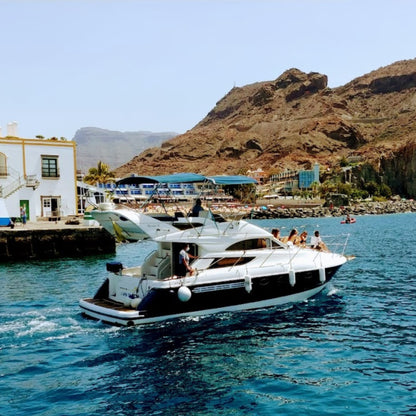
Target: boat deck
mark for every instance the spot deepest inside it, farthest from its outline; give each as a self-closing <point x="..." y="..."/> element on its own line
<point x="109" y="304"/>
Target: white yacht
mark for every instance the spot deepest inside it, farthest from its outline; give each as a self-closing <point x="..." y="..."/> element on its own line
<point x="238" y="266"/>
<point x="126" y="224"/>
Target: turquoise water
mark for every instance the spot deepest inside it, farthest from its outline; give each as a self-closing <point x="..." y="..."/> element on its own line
<point x="351" y="350"/>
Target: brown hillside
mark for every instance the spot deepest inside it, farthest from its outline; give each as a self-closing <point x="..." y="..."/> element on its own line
<point x="292" y="122"/>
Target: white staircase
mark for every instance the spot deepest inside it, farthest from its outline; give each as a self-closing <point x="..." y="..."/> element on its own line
<point x="15" y="181"/>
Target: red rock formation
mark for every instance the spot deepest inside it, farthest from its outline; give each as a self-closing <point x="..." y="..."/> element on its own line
<point x="292" y="122"/>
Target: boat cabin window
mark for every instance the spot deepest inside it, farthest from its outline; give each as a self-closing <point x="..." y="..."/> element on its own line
<point x="229" y="261"/>
<point x="276" y="245"/>
<point x="251" y="244"/>
<point x="186" y="225"/>
<point x="254" y="244"/>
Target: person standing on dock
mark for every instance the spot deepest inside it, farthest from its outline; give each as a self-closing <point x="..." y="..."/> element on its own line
<point x="23" y="214"/>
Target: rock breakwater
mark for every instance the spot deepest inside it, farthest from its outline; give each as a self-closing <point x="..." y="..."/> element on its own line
<point x="364" y="208"/>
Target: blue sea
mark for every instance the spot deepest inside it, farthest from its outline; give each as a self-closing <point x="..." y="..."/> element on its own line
<point x="349" y="351"/>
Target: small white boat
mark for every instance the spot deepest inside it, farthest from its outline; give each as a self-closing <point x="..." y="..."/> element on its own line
<point x="239" y="266"/>
<point x="127" y="224"/>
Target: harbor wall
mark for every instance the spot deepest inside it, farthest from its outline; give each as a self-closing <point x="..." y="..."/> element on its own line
<point x="24" y="244"/>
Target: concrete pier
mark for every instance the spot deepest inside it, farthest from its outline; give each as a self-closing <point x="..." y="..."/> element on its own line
<point x="50" y="240"/>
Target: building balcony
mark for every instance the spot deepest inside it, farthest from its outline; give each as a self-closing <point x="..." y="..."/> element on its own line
<point x="32" y="181"/>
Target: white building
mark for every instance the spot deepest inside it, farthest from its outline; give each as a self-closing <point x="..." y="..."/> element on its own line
<point x="39" y="176"/>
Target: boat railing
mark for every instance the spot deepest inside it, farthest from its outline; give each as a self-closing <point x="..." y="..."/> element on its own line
<point x="164" y="268"/>
<point x="149" y="261"/>
<point x="336" y="243"/>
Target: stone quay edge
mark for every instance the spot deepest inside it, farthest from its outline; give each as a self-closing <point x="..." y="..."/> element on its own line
<point x="40" y="241"/>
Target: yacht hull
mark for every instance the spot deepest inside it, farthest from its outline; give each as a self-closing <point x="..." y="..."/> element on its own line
<point x="217" y="297"/>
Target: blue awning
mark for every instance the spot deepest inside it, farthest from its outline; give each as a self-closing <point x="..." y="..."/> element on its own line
<point x="181" y="178"/>
<point x="174" y="178"/>
<point x="231" y="180"/>
<point x="187" y="178"/>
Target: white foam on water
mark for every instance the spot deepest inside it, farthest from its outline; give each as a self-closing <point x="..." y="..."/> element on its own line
<point x="332" y="290"/>
<point x="38" y="326"/>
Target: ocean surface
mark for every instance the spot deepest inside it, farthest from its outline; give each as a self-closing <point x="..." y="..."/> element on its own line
<point x="349" y="351"/>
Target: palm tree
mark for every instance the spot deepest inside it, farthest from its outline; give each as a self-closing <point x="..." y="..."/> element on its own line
<point x="315" y="188"/>
<point x="100" y="174"/>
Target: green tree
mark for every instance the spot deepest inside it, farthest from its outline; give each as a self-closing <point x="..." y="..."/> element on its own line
<point x="359" y="194"/>
<point x="328" y="187"/>
<point x="345" y="188"/>
<point x="245" y="193"/>
<point x="100" y="174"/>
<point x="371" y="188"/>
<point x="385" y="190"/>
<point x="315" y="188"/>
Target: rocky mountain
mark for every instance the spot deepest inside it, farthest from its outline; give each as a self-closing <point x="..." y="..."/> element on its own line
<point x="113" y="147"/>
<point x="297" y="119"/>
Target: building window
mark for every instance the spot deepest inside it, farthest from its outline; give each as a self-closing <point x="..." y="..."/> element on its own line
<point x="50" y="167"/>
<point x="3" y="165"/>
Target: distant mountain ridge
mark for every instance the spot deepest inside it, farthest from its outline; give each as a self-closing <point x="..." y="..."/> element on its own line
<point x="114" y="148"/>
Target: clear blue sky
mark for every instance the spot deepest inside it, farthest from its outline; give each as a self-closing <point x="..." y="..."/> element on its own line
<point x="161" y="65"/>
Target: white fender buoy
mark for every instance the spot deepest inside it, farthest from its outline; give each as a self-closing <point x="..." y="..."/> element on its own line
<point x="247" y="283"/>
<point x="135" y="303"/>
<point x="322" y="275"/>
<point x="292" y="277"/>
<point x="184" y="294"/>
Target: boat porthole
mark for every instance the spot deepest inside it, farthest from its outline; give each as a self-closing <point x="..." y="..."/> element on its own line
<point x="130" y="323"/>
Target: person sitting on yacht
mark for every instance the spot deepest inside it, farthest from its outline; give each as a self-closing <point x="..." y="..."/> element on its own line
<point x="276" y="233"/>
<point x="196" y="209"/>
<point x="317" y="243"/>
<point x="302" y="239"/>
<point x="292" y="238"/>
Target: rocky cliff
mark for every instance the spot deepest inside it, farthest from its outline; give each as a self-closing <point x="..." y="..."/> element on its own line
<point x="297" y="119"/>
